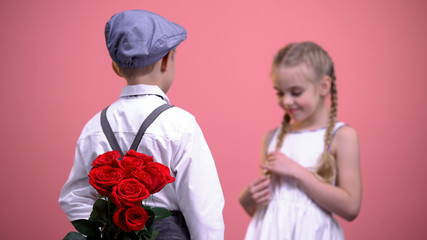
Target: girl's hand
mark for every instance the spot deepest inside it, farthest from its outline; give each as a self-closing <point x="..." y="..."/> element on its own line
<point x="257" y="193"/>
<point x="280" y="164"/>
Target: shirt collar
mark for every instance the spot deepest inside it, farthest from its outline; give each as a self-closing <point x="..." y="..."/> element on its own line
<point x="143" y="89"/>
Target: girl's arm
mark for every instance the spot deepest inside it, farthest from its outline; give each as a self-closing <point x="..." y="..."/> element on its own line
<point x="258" y="191"/>
<point x="344" y="199"/>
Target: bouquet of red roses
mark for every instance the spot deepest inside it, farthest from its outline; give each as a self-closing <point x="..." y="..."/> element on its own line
<point x="122" y="185"/>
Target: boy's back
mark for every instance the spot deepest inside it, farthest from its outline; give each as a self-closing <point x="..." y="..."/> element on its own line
<point x="173" y="139"/>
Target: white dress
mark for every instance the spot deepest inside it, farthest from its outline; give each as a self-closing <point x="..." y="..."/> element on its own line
<point x="291" y="214"/>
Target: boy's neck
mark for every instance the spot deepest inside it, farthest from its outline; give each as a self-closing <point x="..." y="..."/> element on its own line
<point x="161" y="75"/>
<point x="149" y="79"/>
<point x="142" y="80"/>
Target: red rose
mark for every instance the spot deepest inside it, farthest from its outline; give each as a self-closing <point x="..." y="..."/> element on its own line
<point x="107" y="159"/>
<point x="142" y="176"/>
<point x="128" y="219"/>
<point x="104" y="178"/>
<point x="166" y="172"/>
<point x="132" y="160"/>
<point x="129" y="192"/>
<point x="159" y="176"/>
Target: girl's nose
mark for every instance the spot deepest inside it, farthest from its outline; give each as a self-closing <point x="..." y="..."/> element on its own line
<point x="287" y="100"/>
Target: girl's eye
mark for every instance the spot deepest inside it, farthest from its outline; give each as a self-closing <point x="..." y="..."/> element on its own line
<point x="296" y="92"/>
<point x="280" y="94"/>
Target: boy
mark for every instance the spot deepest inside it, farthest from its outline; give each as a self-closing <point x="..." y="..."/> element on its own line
<point x="142" y="46"/>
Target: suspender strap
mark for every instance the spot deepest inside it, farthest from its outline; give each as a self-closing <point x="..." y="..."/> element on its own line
<point x="147" y="122"/>
<point x="108" y="132"/>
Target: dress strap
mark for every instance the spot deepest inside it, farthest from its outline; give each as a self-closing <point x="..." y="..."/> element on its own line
<point x="337" y="126"/>
<point x="271" y="139"/>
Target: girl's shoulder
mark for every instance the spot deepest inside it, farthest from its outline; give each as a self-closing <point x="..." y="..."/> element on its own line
<point x="345" y="136"/>
<point x="343" y="130"/>
<point x="268" y="137"/>
<point x="269" y="134"/>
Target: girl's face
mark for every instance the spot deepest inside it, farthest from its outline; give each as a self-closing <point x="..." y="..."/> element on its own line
<point x="299" y="93"/>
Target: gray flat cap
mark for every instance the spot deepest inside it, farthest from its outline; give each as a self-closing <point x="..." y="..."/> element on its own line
<point x="139" y="38"/>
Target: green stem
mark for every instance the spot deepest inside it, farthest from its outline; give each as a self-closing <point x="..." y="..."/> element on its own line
<point x="116" y="235"/>
<point x="109" y="218"/>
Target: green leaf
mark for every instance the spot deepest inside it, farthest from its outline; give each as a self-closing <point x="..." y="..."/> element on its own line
<point x="99" y="214"/>
<point x="100" y="209"/>
<point x="151" y="216"/>
<point x="160" y="213"/>
<point x="74" y="236"/>
<point x="86" y="227"/>
<point x="154" y="236"/>
<point x="145" y="234"/>
<point x="113" y="207"/>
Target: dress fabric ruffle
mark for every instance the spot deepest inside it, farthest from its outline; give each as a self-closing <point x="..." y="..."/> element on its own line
<point x="291" y="214"/>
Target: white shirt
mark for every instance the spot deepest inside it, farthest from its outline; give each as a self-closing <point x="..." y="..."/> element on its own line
<point x="174" y="139"/>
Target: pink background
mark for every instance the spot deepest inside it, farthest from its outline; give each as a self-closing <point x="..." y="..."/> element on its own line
<point x="56" y="74"/>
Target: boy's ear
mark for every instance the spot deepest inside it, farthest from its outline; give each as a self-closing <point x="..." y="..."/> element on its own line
<point x="325" y="85"/>
<point x="117" y="69"/>
<point x="165" y="61"/>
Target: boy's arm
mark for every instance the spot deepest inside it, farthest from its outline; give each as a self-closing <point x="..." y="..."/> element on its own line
<point x="77" y="195"/>
<point x="198" y="188"/>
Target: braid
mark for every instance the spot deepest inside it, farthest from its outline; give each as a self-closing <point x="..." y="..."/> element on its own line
<point x="286" y="118"/>
<point x="283" y="130"/>
<point x="326" y="169"/>
<point x="333" y="111"/>
<point x="320" y="65"/>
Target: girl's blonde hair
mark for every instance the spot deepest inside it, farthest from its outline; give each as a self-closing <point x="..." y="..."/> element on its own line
<point x="318" y="60"/>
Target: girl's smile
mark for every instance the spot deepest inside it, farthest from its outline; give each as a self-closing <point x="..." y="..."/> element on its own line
<point x="299" y="94"/>
<point x="291" y="111"/>
<point x="310" y="157"/>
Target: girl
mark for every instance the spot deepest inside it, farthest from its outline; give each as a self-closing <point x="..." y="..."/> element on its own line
<point x="311" y="163"/>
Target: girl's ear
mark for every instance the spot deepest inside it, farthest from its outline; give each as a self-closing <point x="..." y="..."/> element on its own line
<point x="117" y="69"/>
<point x="325" y="85"/>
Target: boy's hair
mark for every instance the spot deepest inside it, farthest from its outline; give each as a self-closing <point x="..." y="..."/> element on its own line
<point x="130" y="73"/>
<point x="318" y="60"/>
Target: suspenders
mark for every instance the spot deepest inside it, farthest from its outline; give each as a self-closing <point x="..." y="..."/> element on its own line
<point x="147" y="122"/>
